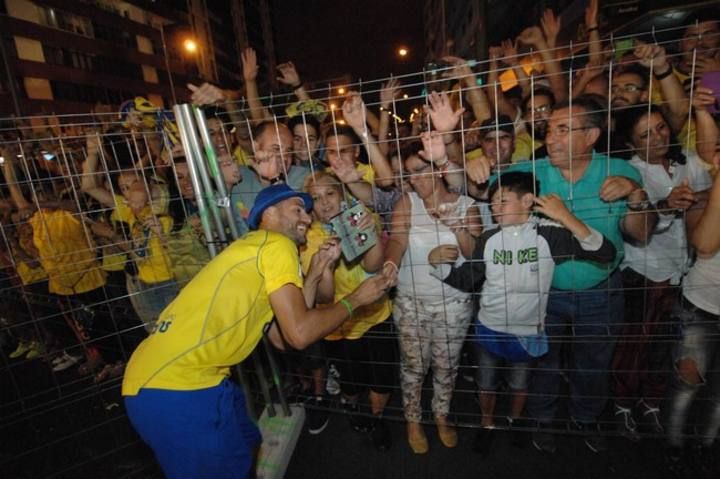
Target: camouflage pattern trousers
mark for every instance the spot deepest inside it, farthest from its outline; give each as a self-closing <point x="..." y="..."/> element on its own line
<point x="431" y="334"/>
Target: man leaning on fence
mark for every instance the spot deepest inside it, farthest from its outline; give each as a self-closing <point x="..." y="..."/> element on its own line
<point x="176" y="387"/>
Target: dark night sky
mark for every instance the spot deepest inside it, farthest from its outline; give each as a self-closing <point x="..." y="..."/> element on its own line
<point x="328" y="38"/>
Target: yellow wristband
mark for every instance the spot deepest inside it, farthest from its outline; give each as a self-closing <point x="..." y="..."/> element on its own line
<point x="347" y="305"/>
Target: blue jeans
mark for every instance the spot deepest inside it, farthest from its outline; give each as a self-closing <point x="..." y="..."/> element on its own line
<point x="582" y="328"/>
<point x="699" y="344"/>
<point x="200" y="434"/>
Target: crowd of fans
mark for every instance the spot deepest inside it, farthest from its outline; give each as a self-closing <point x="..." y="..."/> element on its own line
<point x="564" y="229"/>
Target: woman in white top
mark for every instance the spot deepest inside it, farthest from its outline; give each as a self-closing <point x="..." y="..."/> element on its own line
<point x="652" y="271"/>
<point x="697" y="355"/>
<point x="432" y="317"/>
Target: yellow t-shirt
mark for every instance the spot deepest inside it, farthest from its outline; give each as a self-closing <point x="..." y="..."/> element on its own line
<point x="29" y="275"/>
<point x="524" y="147"/>
<point x="217" y="319"/>
<point x="347" y="278"/>
<point x="366" y="172"/>
<point x="241" y="158"/>
<point x="65" y="254"/>
<point x="155" y="266"/>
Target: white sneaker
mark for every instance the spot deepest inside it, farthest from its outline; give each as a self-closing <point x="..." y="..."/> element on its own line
<point x="66" y="362"/>
<point x="332" y="386"/>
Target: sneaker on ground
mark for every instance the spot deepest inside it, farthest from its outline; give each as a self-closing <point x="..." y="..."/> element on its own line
<point x="650" y="417"/>
<point x="626" y="425"/>
<point x="66" y="362"/>
<point x="332" y="385"/>
<point x="357" y="421"/>
<point x="590" y="433"/>
<point x="543" y="439"/>
<point x="519" y="434"/>
<point x="317" y="414"/>
<point x="380" y="434"/>
<point x="22" y="348"/>
<point x="36" y="350"/>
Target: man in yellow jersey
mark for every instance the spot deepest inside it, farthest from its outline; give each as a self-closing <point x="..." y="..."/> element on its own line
<point x="176" y="387"/>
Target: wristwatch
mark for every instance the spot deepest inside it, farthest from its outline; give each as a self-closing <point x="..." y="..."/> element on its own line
<point x="643" y="205"/>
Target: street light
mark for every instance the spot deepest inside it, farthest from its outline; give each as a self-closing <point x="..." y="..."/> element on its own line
<point x="341" y="91"/>
<point x="190" y="45"/>
<point x="402" y="51"/>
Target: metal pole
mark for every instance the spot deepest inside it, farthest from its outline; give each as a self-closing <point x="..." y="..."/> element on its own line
<point x="211" y="201"/>
<point x="224" y="195"/>
<point x="199" y="197"/>
<point x="167" y="63"/>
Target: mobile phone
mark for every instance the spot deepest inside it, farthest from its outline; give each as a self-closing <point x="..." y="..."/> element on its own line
<point x="47" y="156"/>
<point x="623" y="46"/>
<point x="711" y="80"/>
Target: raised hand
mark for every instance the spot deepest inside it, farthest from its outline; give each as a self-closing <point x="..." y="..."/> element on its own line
<point x="509" y="52"/>
<point x="532" y="36"/>
<point x="433" y="146"/>
<point x="651" y="56"/>
<point x="288" y="75"/>
<point x="591" y="14"/>
<point x="479" y="169"/>
<point x="703" y="98"/>
<point x="389" y="91"/>
<point x="267" y="164"/>
<point x="206" y="94"/>
<point x="354" y="111"/>
<point x="550" y="26"/>
<point x="444" y="119"/>
<point x="553" y="207"/>
<point x="249" y="63"/>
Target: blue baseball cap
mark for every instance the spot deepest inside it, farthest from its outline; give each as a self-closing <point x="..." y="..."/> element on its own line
<point x="271" y="196"/>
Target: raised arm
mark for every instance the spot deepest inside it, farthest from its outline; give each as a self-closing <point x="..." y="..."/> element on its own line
<point x="388" y="92"/>
<point x="8" y="166"/>
<point x="288" y="75"/>
<point x="553" y="71"/>
<point x="250" y="71"/>
<point x="594" y="40"/>
<point x="676" y="104"/>
<point x="704" y="233"/>
<point x="354" y="113"/>
<point x="707" y="129"/>
<point x="495" y="93"/>
<point x="89" y="182"/>
<point x="301" y="326"/>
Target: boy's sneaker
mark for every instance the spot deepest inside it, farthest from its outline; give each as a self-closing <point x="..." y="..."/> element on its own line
<point x="357" y="421"/>
<point x="36" y="350"/>
<point x="65" y="362"/>
<point x="317" y="414"/>
<point x="591" y="435"/>
<point x="22" y="348"/>
<point x="332" y="385"/>
<point x="519" y="431"/>
<point x="650" y="418"/>
<point x="543" y="439"/>
<point x="626" y="425"/>
<point x="380" y="434"/>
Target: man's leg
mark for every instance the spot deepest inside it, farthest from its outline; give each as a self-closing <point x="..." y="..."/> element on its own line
<point x="203" y="433"/>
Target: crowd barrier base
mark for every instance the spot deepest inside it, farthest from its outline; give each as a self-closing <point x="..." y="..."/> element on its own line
<point x="280" y="435"/>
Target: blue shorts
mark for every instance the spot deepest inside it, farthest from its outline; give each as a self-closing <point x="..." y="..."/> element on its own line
<point x="202" y="433"/>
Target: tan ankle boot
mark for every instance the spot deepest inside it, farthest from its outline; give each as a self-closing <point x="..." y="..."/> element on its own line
<point x="416" y="438"/>
<point x="447" y="433"/>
